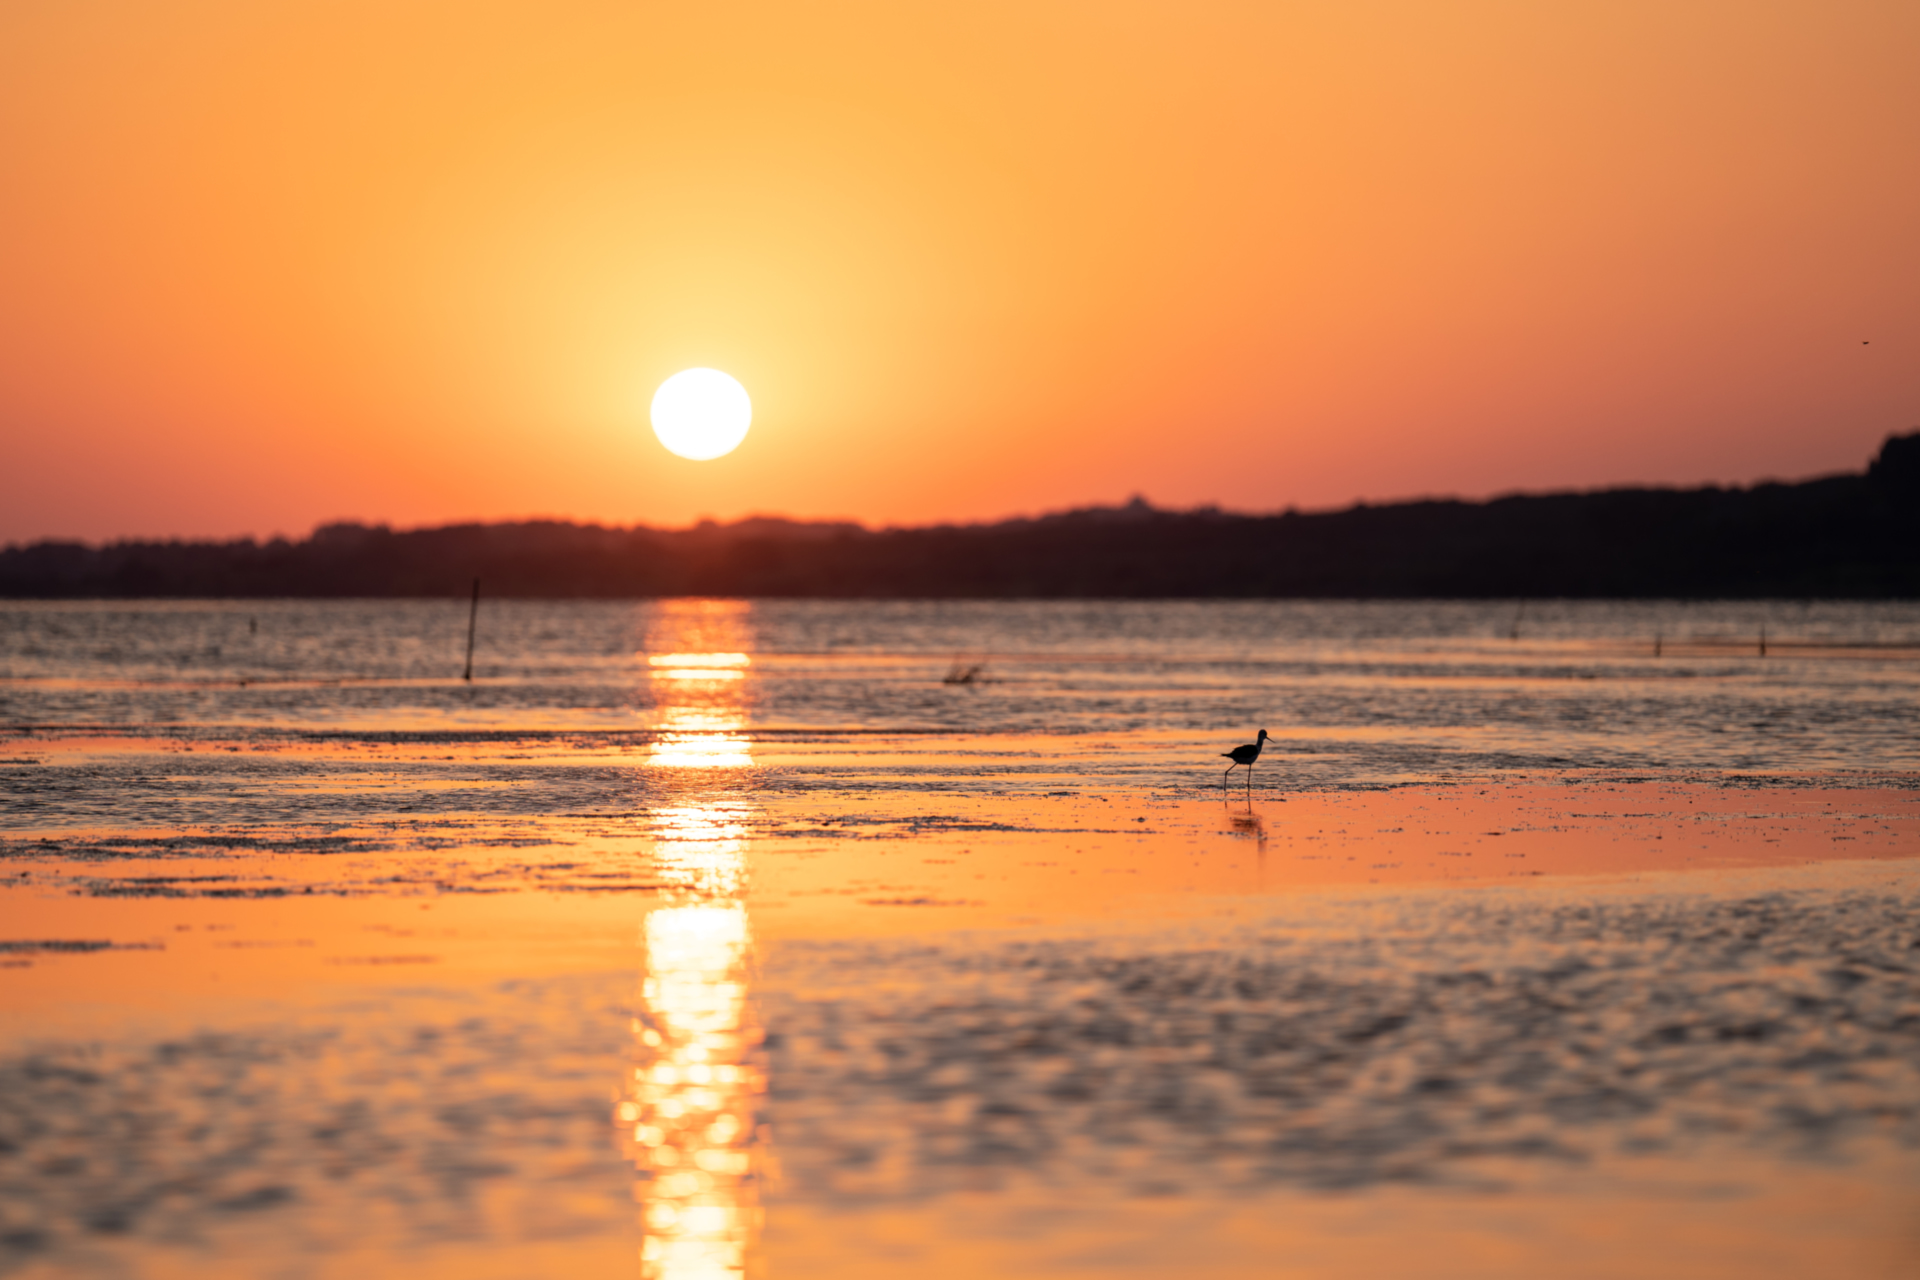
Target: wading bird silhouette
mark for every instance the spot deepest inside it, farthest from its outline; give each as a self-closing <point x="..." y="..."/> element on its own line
<point x="1244" y="755"/>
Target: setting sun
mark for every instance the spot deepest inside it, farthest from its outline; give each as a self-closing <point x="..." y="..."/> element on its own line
<point x="701" y="414"/>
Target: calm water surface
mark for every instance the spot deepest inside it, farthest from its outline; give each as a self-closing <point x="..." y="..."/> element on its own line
<point x="707" y="939"/>
<point x="1428" y="687"/>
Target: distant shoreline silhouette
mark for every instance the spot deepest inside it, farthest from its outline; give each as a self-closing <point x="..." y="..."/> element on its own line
<point x="1846" y="536"/>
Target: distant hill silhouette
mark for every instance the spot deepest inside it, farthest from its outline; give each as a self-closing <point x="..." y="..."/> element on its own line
<point x="1842" y="536"/>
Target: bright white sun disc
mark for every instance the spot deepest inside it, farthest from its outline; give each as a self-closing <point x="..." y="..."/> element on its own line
<point x="701" y="414"/>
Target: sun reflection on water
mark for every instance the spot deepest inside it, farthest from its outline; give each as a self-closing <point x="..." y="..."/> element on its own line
<point x="699" y="693"/>
<point x="699" y="666"/>
<point x="702" y="848"/>
<point x="688" y="1112"/>
<point x="689" y="1115"/>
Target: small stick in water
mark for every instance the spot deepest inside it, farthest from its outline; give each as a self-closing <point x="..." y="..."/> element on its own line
<point x="1656" y="644"/>
<point x="1763" y="639"/>
<point x="473" y="619"/>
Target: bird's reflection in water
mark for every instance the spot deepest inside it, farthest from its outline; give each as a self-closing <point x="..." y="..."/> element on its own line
<point x="688" y="1117"/>
<point x="1246" y="823"/>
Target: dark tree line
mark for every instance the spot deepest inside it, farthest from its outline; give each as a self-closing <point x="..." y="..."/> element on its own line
<point x="1842" y="536"/>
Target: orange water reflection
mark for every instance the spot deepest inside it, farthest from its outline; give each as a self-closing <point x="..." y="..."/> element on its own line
<point x="698" y="658"/>
<point x="688" y="1113"/>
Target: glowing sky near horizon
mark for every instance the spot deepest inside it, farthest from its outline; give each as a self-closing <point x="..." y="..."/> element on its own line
<point x="265" y="266"/>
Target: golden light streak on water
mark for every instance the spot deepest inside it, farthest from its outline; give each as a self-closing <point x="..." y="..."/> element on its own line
<point x="688" y="1112"/>
<point x="701" y="848"/>
<point x="698" y="665"/>
<point x="696" y="738"/>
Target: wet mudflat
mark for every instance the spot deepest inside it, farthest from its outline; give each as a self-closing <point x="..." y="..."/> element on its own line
<point x="715" y="991"/>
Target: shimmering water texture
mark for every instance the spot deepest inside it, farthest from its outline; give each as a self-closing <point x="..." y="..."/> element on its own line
<point x="707" y="939"/>
<point x="1355" y="692"/>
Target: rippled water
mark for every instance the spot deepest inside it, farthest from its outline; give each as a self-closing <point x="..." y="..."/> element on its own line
<point x="1426" y="686"/>
<point x="695" y="940"/>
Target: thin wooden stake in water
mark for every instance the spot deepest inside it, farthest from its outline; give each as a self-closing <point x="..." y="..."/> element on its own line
<point x="1763" y="639"/>
<point x="473" y="619"/>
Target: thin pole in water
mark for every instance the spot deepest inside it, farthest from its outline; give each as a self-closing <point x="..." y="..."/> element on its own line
<point x="473" y="620"/>
<point x="1657" y="637"/>
<point x="1763" y="639"/>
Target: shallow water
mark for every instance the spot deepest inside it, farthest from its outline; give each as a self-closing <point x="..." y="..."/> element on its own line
<point x="709" y="938"/>
<point x="1426" y="686"/>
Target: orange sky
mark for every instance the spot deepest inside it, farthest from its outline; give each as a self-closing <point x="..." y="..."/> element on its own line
<point x="263" y="265"/>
